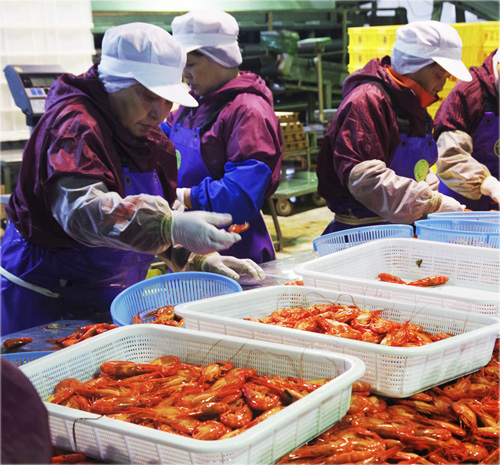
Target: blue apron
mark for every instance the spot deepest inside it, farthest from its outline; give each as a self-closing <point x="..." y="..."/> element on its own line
<point x="485" y="143"/>
<point x="412" y="159"/>
<point x="256" y="242"/>
<point x="86" y="279"/>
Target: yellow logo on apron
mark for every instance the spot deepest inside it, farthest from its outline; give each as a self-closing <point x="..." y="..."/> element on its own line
<point x="178" y="156"/>
<point x="496" y="148"/>
<point x="421" y="169"/>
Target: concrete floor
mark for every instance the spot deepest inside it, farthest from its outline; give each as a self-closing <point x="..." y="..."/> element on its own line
<point x="306" y="223"/>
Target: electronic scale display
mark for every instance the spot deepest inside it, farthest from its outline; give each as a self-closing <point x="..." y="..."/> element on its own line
<point x="29" y="85"/>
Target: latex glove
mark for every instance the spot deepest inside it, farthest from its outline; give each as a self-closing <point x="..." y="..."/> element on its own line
<point x="232" y="267"/>
<point x="491" y="188"/>
<point x="197" y="231"/>
<point x="179" y="204"/>
<point x="449" y="204"/>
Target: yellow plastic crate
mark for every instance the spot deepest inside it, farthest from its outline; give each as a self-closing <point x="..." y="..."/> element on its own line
<point x="360" y="56"/>
<point x="360" y="36"/>
<point x="491" y="33"/>
<point x="385" y="37"/>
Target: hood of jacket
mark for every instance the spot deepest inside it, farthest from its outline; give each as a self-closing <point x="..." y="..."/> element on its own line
<point x="245" y="83"/>
<point x="376" y="70"/>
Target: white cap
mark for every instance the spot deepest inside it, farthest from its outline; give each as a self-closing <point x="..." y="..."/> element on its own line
<point x="151" y="56"/>
<point x="211" y="32"/>
<point x="433" y="40"/>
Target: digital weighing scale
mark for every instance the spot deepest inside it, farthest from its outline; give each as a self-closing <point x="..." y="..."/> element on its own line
<point x="29" y="85"/>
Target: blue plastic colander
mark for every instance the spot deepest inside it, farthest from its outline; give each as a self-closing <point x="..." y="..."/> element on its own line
<point x="341" y="240"/>
<point x="168" y="289"/>
<point x="20" y="358"/>
<point x="458" y="231"/>
<point x="490" y="216"/>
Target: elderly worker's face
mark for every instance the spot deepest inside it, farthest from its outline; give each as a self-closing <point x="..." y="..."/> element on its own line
<point x="138" y="109"/>
<point x="204" y="75"/>
<point x="432" y="78"/>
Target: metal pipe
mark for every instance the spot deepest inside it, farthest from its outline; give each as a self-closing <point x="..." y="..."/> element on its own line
<point x="320" y="87"/>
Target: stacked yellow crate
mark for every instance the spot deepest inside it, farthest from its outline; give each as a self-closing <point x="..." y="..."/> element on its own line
<point x="479" y="40"/>
<point x="366" y="43"/>
<point x="295" y="141"/>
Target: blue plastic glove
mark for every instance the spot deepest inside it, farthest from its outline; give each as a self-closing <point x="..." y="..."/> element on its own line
<point x="197" y="231"/>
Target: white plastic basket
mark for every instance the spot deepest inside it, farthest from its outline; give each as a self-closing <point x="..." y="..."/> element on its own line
<point x="391" y="371"/>
<point x="121" y="442"/>
<point x="473" y="272"/>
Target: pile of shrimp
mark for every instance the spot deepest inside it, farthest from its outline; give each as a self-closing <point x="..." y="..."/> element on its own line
<point x="429" y="281"/>
<point x="353" y="323"/>
<point x="213" y="402"/>
<point x="81" y="334"/>
<point x="455" y="423"/>
<point x="162" y="316"/>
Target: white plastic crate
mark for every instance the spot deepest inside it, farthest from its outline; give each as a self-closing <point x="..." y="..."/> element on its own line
<point x="120" y="442"/>
<point x="473" y="272"/>
<point x="391" y="371"/>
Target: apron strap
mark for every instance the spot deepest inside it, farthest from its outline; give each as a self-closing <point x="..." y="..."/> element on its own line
<point x="489" y="106"/>
<point x="353" y="221"/>
<point x="212" y="117"/>
<point x="20" y="282"/>
<point x="401" y="117"/>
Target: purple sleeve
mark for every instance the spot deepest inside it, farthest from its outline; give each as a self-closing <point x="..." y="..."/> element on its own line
<point x="461" y="110"/>
<point x="366" y="129"/>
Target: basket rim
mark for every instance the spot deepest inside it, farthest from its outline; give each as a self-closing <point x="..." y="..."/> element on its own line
<point x="355" y="231"/>
<point x="491" y="323"/>
<point x="35" y="355"/>
<point x="354" y="369"/>
<point x="433" y="221"/>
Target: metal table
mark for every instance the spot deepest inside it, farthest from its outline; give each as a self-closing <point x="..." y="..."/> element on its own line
<point x="41" y="334"/>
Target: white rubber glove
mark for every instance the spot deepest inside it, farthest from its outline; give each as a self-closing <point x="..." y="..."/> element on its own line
<point x="179" y="204"/>
<point x="197" y="231"/>
<point x="232" y="267"/>
<point x="491" y="188"/>
<point x="449" y="204"/>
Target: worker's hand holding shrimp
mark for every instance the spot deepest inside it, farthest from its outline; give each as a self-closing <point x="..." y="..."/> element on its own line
<point x="198" y="231"/>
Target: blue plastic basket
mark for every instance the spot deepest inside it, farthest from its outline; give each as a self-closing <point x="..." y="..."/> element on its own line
<point x="20" y="358"/>
<point x="463" y="232"/>
<point x="341" y="240"/>
<point x="168" y="289"/>
<point x="489" y="216"/>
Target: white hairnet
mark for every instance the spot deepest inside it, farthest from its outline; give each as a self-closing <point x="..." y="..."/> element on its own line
<point x="403" y="63"/>
<point x="212" y="33"/>
<point x="421" y="42"/>
<point x="144" y="53"/>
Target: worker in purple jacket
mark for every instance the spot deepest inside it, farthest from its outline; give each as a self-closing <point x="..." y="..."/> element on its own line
<point x="466" y="130"/>
<point x="374" y="163"/>
<point x="91" y="207"/>
<point x="230" y="146"/>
